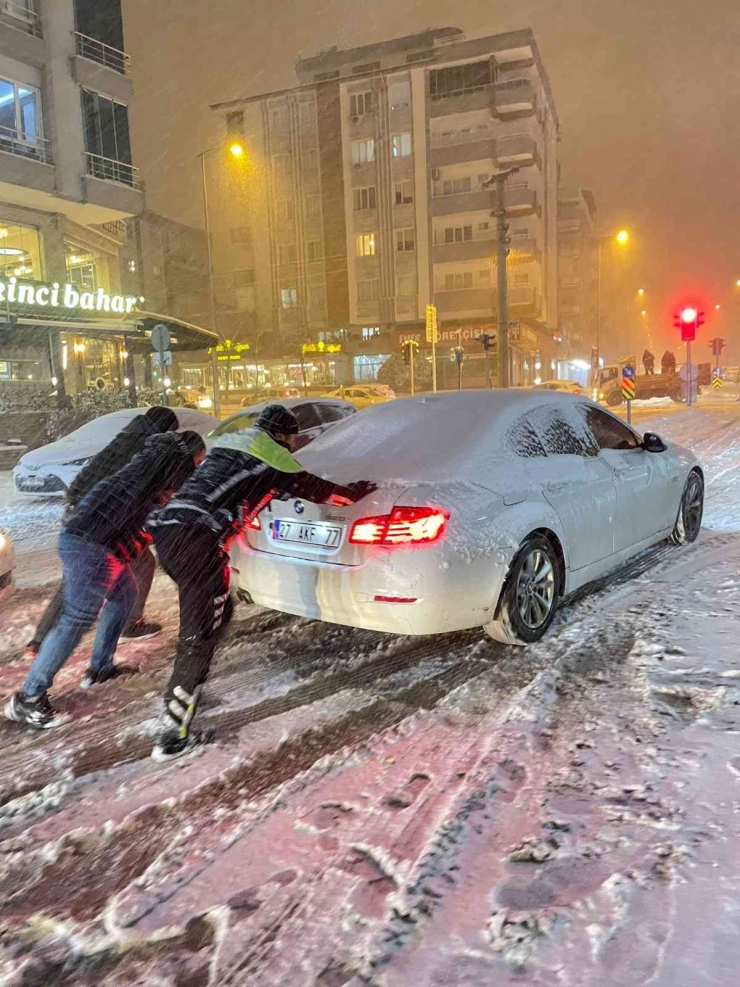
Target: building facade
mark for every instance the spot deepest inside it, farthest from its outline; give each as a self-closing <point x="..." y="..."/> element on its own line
<point x="365" y="200"/>
<point x="72" y="310"/>
<point x="577" y="272"/>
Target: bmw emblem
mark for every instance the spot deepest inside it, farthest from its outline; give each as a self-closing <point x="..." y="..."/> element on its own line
<point x="300" y="507"/>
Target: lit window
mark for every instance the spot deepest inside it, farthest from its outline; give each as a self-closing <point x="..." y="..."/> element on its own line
<point x="365" y="244"/>
<point x="369" y="331"/>
<point x="456" y="186"/>
<point x="288" y="297"/>
<point x="401" y="145"/>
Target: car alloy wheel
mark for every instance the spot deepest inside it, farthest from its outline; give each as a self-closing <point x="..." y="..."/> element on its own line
<point x="690" y="511"/>
<point x="535" y="589"/>
<point x="530" y="594"/>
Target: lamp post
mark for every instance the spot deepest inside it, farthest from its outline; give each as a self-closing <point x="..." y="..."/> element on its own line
<point x="622" y="238"/>
<point x="497" y="183"/>
<point x="236" y="150"/>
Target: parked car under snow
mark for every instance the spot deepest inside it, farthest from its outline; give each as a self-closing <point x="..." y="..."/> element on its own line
<point x="49" y="470"/>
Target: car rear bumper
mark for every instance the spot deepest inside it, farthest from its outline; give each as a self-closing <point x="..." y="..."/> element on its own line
<point x="348" y="595"/>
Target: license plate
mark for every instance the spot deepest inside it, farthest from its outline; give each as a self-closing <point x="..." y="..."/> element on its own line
<point x="307" y="533"/>
<point x="33" y="481"/>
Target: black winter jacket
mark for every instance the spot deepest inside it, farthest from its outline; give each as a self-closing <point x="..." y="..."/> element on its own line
<point x="120" y="451"/>
<point x="243" y="470"/>
<point x="114" y="511"/>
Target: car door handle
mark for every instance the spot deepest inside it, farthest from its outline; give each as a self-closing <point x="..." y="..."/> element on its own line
<point x="558" y="487"/>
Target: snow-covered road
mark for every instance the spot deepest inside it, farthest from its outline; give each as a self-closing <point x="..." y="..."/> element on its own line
<point x="392" y="811"/>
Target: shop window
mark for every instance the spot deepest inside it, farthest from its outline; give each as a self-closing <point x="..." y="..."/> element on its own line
<point x="20" y="254"/>
<point x="86" y="268"/>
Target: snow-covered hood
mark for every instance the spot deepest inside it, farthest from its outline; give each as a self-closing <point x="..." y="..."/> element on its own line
<point x="60" y="452"/>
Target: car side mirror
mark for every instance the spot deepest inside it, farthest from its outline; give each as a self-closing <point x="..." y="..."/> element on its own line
<point x="653" y="443"/>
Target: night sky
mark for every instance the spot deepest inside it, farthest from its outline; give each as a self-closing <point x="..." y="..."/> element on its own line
<point x="647" y="94"/>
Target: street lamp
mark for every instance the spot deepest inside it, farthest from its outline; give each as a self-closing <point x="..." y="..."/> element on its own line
<point x="622" y="238"/>
<point x="237" y="151"/>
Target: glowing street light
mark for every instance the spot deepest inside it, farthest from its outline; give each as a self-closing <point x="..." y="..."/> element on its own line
<point x="236" y="150"/>
<point x="640" y="292"/>
<point x="643" y="313"/>
<point x="622" y="237"/>
<point x="718" y="307"/>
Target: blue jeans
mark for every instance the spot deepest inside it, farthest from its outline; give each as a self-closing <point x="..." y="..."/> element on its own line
<point x="94" y="580"/>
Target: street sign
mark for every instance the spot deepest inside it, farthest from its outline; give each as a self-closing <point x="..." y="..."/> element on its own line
<point x="163" y="359"/>
<point x="432" y="333"/>
<point x="160" y="338"/>
<point x="717" y="381"/>
<point x="628" y="385"/>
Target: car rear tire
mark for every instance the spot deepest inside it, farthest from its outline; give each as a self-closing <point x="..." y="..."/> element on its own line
<point x="530" y="594"/>
<point x="614" y="399"/>
<point x="690" y="511"/>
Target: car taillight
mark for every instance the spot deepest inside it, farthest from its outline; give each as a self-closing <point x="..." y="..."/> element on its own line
<point x="403" y="526"/>
<point x="255" y="524"/>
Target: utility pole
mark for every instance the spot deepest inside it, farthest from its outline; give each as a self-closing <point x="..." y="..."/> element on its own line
<point x="497" y="183"/>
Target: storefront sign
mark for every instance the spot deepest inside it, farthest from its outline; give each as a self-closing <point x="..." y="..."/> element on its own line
<point x="322" y="347"/>
<point x="37" y="294"/>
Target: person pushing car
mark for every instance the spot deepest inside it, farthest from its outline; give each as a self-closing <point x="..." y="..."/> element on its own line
<point x="241" y="474"/>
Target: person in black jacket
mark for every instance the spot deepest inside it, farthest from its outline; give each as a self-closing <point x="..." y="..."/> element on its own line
<point x="117" y="453"/>
<point x="100" y="539"/>
<point x="242" y="472"/>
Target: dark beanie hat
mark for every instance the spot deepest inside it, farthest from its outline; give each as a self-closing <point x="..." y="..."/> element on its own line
<point x="194" y="442"/>
<point x="276" y="419"/>
<point x="165" y="419"/>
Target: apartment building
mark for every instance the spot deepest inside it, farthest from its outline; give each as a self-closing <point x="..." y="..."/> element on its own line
<point x="577" y="271"/>
<point x="71" y="306"/>
<point x="367" y="200"/>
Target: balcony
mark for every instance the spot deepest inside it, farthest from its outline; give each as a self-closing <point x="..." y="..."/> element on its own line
<point x="114" y="186"/>
<point x="477" y="200"/>
<point x="20" y="33"/>
<point x="522" y="247"/>
<point x="25" y="145"/>
<point x="27" y="176"/>
<point x="522" y="297"/>
<point x="100" y="68"/>
<point x="464" y="101"/>
<point x="514" y="97"/>
<point x="474" y="301"/>
<point x="520" y="201"/>
<point x="482" y="245"/>
<point x="516" y="150"/>
<point x="22" y="16"/>
<point x="96" y="51"/>
<point x="459" y="151"/>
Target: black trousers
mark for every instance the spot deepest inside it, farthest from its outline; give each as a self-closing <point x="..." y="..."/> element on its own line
<point x="192" y="556"/>
<point x="143" y="569"/>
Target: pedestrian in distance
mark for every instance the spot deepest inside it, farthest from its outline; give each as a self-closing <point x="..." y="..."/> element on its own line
<point x="668" y="363"/>
<point x="99" y="542"/>
<point x="120" y="451"/>
<point x="648" y="362"/>
<point x="241" y="474"/>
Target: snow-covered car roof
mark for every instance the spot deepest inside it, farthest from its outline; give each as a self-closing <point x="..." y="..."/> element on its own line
<point x="90" y="438"/>
<point x="255" y="409"/>
<point x="431" y="438"/>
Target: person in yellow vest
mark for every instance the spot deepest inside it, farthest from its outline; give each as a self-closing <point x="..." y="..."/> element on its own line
<point x="243" y="471"/>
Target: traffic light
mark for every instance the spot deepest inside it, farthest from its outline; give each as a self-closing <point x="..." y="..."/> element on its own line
<point x="717" y="345"/>
<point x="410" y="348"/>
<point x="688" y="321"/>
<point x="487" y="340"/>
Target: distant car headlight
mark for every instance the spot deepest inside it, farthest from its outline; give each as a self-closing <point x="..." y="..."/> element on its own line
<point x="78" y="462"/>
<point x="205" y="402"/>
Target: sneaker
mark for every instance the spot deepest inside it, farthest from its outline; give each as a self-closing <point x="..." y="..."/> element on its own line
<point x="176" y="738"/>
<point x="171" y="745"/>
<point x="105" y="674"/>
<point x="140" y="631"/>
<point x="34" y="711"/>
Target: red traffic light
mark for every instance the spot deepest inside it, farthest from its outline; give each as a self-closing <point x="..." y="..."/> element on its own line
<point x="689" y="315"/>
<point x="688" y="321"/>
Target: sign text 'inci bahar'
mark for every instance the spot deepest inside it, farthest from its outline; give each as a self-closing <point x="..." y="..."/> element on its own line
<point x="57" y="296"/>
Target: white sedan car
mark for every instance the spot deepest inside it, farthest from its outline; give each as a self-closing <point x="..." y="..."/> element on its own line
<point x="7" y="564"/>
<point x="491" y="507"/>
<point x="49" y="470"/>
